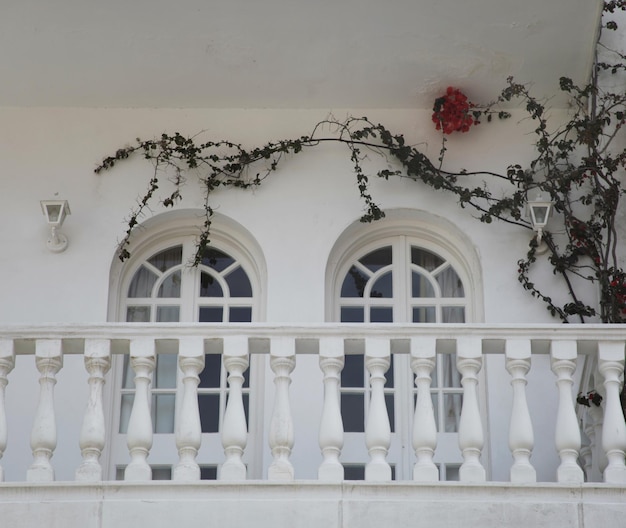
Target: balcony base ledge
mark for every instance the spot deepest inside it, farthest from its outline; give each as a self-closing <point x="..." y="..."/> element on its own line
<point x="304" y="504"/>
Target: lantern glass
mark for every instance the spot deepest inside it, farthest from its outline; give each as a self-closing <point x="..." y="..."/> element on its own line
<point x="540" y="214"/>
<point x="55" y="211"/>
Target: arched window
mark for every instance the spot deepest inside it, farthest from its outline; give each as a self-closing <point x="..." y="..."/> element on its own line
<point x="411" y="268"/>
<point x="158" y="285"/>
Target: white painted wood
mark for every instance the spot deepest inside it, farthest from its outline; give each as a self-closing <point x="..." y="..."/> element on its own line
<point x="471" y="437"/>
<point x="611" y="365"/>
<point x="234" y="428"/>
<point x="139" y="434"/>
<point x="7" y="362"/>
<point x="93" y="433"/>
<point x="331" y="359"/>
<point x="188" y="428"/>
<point x="43" y="437"/>
<point x="377" y="427"/>
<point x="567" y="438"/>
<point x="521" y="436"/>
<point x="423" y="361"/>
<point x="281" y="436"/>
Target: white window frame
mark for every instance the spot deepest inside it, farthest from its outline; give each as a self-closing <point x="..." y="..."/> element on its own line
<point x="443" y="238"/>
<point x="154" y="235"/>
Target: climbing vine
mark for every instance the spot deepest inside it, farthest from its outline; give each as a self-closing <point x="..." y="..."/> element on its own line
<point x="579" y="166"/>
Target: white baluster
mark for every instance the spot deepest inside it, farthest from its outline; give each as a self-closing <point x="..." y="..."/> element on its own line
<point x="331" y="426"/>
<point x="234" y="428"/>
<point x="469" y="363"/>
<point x="188" y="427"/>
<point x="567" y="439"/>
<point x="7" y="362"/>
<point x="93" y="433"/>
<point x="43" y="438"/>
<point x="377" y="428"/>
<point x="423" y="360"/>
<point x="521" y="437"/>
<point x="139" y="433"/>
<point x="282" y="362"/>
<point x="611" y="365"/>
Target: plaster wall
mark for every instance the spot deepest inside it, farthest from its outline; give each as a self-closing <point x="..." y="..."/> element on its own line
<point x="295" y="216"/>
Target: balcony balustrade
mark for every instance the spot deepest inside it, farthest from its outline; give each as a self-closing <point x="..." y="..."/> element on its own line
<point x="591" y="443"/>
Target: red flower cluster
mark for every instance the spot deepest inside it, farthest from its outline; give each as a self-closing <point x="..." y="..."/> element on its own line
<point x="451" y="112"/>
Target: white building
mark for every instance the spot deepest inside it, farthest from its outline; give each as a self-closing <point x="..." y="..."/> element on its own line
<point x="293" y="266"/>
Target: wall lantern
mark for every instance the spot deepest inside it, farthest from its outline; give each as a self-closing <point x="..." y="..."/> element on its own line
<point x="540" y="210"/>
<point x="55" y="212"/>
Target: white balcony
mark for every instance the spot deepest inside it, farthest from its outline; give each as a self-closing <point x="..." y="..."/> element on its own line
<point x="587" y="488"/>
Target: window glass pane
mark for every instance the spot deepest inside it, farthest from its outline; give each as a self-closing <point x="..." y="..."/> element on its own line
<point x="167" y="259"/>
<point x="125" y="408"/>
<point x="435" y="399"/>
<point x="377" y="259"/>
<point x="128" y="376"/>
<point x="209" y="405"/>
<point x="138" y="314"/>
<point x="212" y="373"/>
<point x="240" y="314"/>
<point x="209" y="287"/>
<point x="452" y="472"/>
<point x="165" y="375"/>
<point x="425" y="259"/>
<point x="353" y="371"/>
<point x="450" y="376"/>
<point x="210" y="314"/>
<point x="239" y="284"/>
<point x="208" y="472"/>
<point x="450" y="283"/>
<point x="161" y="473"/>
<point x="354" y="472"/>
<point x="383" y="287"/>
<point x="214" y="258"/>
<point x="381" y="314"/>
<point x="142" y="283"/>
<point x="246" y="407"/>
<point x="351" y="314"/>
<point x="170" y="287"/>
<point x="163" y="413"/>
<point x="453" y="314"/>
<point x="424" y="314"/>
<point x="390" y="411"/>
<point x="421" y="286"/>
<point x="353" y="413"/>
<point x="452" y="412"/>
<point x="354" y="283"/>
<point x="168" y="314"/>
<point x="389" y="374"/>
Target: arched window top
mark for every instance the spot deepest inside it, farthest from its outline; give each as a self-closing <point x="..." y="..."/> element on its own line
<point x="231" y="274"/>
<point x="409" y="267"/>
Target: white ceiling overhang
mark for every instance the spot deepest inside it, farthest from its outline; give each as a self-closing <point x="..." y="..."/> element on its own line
<point x="286" y="53"/>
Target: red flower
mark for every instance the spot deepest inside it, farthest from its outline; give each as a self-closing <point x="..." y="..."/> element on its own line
<point x="451" y="112"/>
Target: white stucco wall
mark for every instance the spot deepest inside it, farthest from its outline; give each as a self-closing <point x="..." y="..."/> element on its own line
<point x="296" y="216"/>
